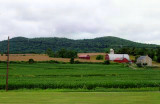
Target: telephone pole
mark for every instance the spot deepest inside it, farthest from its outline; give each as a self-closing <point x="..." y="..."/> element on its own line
<point x="7" y="66"/>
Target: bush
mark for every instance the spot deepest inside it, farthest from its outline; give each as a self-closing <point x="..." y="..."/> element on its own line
<point x="158" y="58"/>
<point x="72" y="60"/>
<point x="1" y="54"/>
<point x="31" y="61"/>
<point x="99" y="57"/>
<point x="107" y="62"/>
<point x="145" y="64"/>
<point x="77" y="62"/>
<point x="139" y="64"/>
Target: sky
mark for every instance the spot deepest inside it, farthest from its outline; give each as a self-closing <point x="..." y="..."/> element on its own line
<point x="136" y="20"/>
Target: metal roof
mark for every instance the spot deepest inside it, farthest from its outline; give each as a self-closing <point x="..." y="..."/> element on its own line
<point x="120" y="56"/>
<point x="141" y="57"/>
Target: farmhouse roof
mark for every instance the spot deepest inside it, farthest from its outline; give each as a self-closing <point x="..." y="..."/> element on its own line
<point x="141" y="57"/>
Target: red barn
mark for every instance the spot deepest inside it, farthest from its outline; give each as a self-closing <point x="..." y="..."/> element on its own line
<point x="120" y="58"/>
<point x="84" y="57"/>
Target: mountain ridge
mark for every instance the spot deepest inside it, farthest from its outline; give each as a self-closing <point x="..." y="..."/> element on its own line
<point x="41" y="44"/>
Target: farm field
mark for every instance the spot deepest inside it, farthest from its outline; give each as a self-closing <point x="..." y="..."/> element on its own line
<point x="94" y="77"/>
<point x="44" y="57"/>
<point x="79" y="98"/>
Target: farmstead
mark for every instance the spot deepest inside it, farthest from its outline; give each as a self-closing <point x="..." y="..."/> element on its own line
<point x="120" y="58"/>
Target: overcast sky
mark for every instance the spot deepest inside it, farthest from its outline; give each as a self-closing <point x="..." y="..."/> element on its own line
<point x="137" y="20"/>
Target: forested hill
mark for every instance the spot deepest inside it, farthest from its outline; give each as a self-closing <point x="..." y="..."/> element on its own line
<point x="39" y="45"/>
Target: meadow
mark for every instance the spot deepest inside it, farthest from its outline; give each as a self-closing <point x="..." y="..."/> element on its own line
<point x="78" y="76"/>
<point x="79" y="97"/>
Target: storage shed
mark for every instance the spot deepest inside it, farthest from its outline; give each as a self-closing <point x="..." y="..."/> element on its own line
<point x="84" y="57"/>
<point x="144" y="60"/>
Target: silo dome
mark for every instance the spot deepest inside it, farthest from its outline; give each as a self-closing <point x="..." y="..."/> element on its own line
<point x="111" y="51"/>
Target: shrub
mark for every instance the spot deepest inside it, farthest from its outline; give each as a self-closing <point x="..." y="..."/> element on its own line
<point x="72" y="60"/>
<point x="139" y="64"/>
<point x="31" y="61"/>
<point x="145" y="64"/>
<point x="107" y="62"/>
<point x="77" y="62"/>
<point x="158" y="58"/>
<point x="99" y="57"/>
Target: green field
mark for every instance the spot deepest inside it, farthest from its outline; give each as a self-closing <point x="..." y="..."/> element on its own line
<point x="78" y="76"/>
<point x="79" y="98"/>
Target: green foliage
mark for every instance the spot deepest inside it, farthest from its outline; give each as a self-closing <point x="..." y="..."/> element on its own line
<point x="1" y="54"/>
<point x="77" y="62"/>
<point x="145" y="64"/>
<point x="40" y="45"/>
<point x="137" y="57"/>
<point x="49" y="52"/>
<point x="63" y="53"/>
<point x="107" y="62"/>
<point x="100" y="57"/>
<point x="141" y="65"/>
<point x="77" y="76"/>
<point x="31" y="61"/>
<point x="72" y="60"/>
<point x="158" y="58"/>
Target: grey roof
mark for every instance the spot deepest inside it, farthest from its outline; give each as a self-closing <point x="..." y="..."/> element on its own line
<point x="141" y="58"/>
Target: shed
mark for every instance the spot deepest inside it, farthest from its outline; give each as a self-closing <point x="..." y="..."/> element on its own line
<point x="121" y="60"/>
<point x="84" y="57"/>
<point x="144" y="60"/>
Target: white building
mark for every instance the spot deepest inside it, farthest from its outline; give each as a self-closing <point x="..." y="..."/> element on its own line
<point x="113" y="57"/>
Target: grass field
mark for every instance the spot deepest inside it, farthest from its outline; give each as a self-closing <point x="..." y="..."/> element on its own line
<point x="78" y="76"/>
<point x="79" y="98"/>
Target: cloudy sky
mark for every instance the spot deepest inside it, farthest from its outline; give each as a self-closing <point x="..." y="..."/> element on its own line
<point x="137" y="20"/>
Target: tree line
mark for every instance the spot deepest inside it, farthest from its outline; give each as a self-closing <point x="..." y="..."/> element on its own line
<point x="21" y="45"/>
<point x="153" y="53"/>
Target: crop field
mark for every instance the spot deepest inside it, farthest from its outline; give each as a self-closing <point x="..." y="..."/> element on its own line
<point x="78" y="76"/>
<point x="41" y="97"/>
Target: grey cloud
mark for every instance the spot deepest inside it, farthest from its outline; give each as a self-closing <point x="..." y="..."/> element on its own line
<point x="135" y="20"/>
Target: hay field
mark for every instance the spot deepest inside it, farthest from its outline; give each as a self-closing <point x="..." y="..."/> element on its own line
<point x="44" y="57"/>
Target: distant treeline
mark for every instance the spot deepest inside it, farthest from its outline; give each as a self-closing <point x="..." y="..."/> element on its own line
<point x="154" y="53"/>
<point x="40" y="45"/>
<point x="63" y="53"/>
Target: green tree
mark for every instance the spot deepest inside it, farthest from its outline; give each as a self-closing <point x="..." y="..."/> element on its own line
<point x="99" y="57"/>
<point x="31" y="61"/>
<point x="72" y="60"/>
<point x="49" y="52"/>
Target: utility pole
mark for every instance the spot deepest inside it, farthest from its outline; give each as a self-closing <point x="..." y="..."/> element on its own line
<point x="7" y="66"/>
